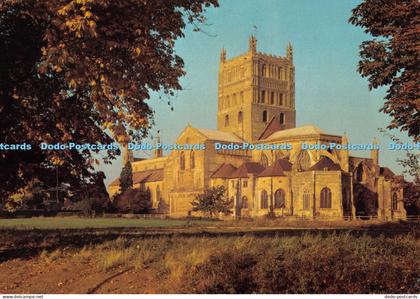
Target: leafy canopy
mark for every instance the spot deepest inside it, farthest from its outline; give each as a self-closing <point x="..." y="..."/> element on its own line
<point x="212" y="201"/>
<point x="82" y="71"/>
<point x="392" y="57"/>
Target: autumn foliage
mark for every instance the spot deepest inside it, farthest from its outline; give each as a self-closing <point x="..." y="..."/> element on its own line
<point x="82" y="71"/>
<point x="392" y="57"/>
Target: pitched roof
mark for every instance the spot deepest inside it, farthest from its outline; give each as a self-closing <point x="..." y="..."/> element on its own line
<point x="153" y="175"/>
<point x="296" y="132"/>
<point x="386" y="172"/>
<point x="247" y="168"/>
<point x="272" y="126"/>
<point x="325" y="164"/>
<point x="273" y="170"/>
<point x="224" y="171"/>
<point x="141" y="176"/>
<point x="285" y="164"/>
<point x="220" y="135"/>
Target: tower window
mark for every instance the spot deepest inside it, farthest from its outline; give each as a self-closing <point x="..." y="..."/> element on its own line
<point x="226" y="120"/>
<point x="239" y="116"/>
<point x="281" y="99"/>
<point x="272" y="98"/>
<point x="263" y="96"/>
<point x="281" y="116"/>
<point x="263" y="70"/>
<point x="264" y="116"/>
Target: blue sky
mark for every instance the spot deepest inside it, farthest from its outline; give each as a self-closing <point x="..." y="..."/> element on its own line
<point x="329" y="92"/>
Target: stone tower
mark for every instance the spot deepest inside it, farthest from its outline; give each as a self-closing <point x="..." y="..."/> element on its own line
<point x="253" y="88"/>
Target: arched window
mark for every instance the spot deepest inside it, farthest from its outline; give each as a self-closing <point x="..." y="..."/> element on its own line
<point x="192" y="160"/>
<point x="264" y="116"/>
<point x="157" y="194"/>
<point x="359" y="173"/>
<point x="272" y="98"/>
<point x="262" y="96"/>
<point x="279" y="199"/>
<point x="244" y="202"/>
<point x="395" y="202"/>
<point x="239" y="116"/>
<point x="326" y="198"/>
<point x="306" y="198"/>
<point x="226" y="120"/>
<point x="346" y="200"/>
<point x="281" y="117"/>
<point x="264" y="199"/>
<point x="182" y="160"/>
<point x="264" y="160"/>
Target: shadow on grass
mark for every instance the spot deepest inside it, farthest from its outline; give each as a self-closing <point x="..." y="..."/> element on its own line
<point x="25" y="244"/>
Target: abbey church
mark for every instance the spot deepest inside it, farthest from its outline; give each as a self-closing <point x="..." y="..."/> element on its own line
<point x="256" y="105"/>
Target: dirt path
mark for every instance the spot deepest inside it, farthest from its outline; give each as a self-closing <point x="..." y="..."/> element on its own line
<point x="37" y="276"/>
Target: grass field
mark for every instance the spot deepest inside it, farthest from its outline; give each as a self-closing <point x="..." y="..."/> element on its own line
<point x="309" y="263"/>
<point x="80" y="223"/>
<point x="121" y="255"/>
<point x="57" y="223"/>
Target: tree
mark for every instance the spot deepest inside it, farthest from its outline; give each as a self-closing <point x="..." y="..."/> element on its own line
<point x="392" y="57"/>
<point x="91" y="198"/>
<point x="133" y="201"/>
<point x="212" y="201"/>
<point x="126" y="177"/>
<point x="77" y="70"/>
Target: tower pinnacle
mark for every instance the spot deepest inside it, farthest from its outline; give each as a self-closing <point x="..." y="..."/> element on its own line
<point x="158" y="151"/>
<point x="222" y="55"/>
<point x="252" y="44"/>
<point x="289" y="52"/>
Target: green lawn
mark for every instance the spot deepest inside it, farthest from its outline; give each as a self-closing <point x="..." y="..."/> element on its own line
<point x="78" y="223"/>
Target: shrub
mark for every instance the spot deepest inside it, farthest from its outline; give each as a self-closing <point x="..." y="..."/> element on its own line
<point x="133" y="201"/>
<point x="223" y="273"/>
